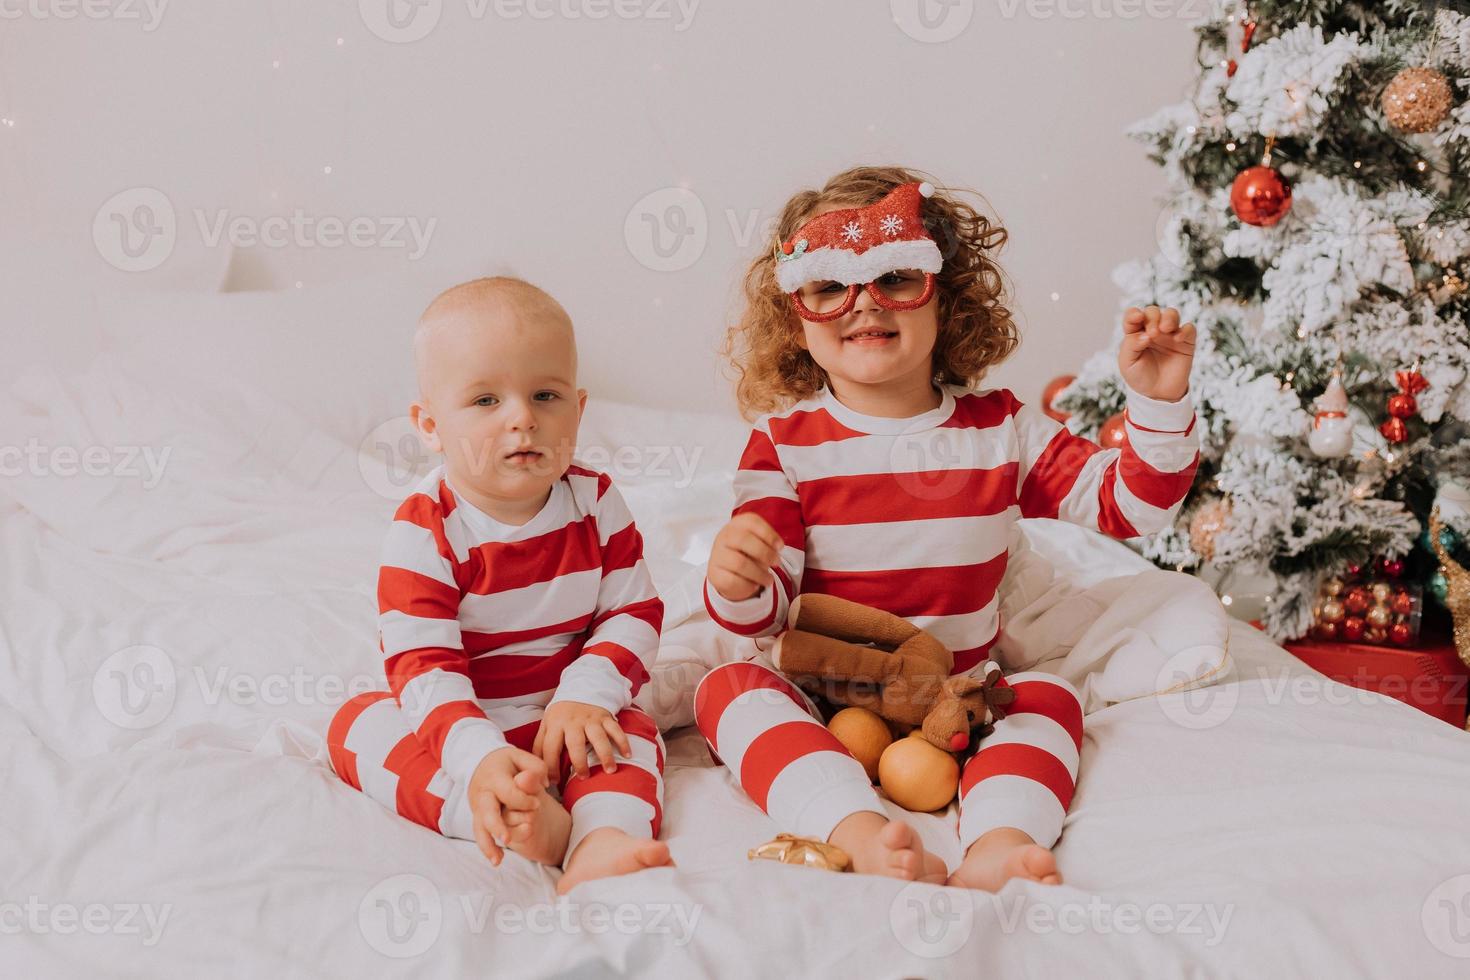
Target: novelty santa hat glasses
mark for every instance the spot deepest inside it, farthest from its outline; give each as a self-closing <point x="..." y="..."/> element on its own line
<point x="855" y="248"/>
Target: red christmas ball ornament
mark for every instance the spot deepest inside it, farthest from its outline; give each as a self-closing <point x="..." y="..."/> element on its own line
<point x="1049" y="394"/>
<point x="1403" y="406"/>
<point x="1393" y="567"/>
<point x="1353" y="571"/>
<point x="1113" y="434"/>
<point x="1356" y="602"/>
<point x="1326" y="632"/>
<point x="1395" y="430"/>
<point x="1352" y="628"/>
<point x="1402" y="604"/>
<point x="1411" y="382"/>
<point x="1399" y="634"/>
<point x="1260" y="196"/>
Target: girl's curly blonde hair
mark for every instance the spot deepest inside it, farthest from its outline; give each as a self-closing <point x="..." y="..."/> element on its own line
<point x="975" y="326"/>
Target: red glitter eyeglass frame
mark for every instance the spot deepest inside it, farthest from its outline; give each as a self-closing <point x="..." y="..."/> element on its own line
<point x="897" y="306"/>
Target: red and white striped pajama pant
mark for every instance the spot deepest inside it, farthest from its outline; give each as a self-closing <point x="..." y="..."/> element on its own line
<point x="770" y="735"/>
<point x="373" y="749"/>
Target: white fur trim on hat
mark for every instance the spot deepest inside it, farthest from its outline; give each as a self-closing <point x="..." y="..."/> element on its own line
<point x="846" y="267"/>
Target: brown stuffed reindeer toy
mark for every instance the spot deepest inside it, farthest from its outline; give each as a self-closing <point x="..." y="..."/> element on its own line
<point x="862" y="657"/>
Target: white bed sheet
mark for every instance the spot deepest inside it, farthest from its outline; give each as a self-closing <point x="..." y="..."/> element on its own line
<point x="1277" y="824"/>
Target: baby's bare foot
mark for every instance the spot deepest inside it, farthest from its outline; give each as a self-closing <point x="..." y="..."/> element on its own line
<point x="608" y="851"/>
<point x="879" y="846"/>
<point x="541" y="834"/>
<point x="1001" y="855"/>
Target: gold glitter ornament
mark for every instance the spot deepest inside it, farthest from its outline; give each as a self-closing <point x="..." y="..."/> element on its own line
<point x="1418" y="100"/>
<point x="805" y="851"/>
<point x="1205" y="524"/>
<point x="1449" y="286"/>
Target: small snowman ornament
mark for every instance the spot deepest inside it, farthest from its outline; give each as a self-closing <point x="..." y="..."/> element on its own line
<point x="1332" y="432"/>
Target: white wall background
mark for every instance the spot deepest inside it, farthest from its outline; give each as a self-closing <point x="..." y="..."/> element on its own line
<point x="528" y="132"/>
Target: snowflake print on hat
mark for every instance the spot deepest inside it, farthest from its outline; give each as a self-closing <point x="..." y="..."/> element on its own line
<point x="858" y="245"/>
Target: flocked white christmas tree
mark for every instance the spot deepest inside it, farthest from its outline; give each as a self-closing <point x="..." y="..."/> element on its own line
<point x="1315" y="281"/>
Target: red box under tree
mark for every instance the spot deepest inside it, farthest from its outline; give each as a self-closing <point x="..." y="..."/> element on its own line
<point x="1431" y="676"/>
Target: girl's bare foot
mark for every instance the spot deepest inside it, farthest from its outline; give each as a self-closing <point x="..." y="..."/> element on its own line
<point x="541" y="834"/>
<point x="608" y="851"/>
<point x="879" y="846"/>
<point x="1003" y="854"/>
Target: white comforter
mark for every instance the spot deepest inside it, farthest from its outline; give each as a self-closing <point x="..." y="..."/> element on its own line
<point x="171" y="648"/>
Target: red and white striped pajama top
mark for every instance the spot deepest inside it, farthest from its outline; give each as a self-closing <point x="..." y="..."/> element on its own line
<point x="913" y="515"/>
<point x="483" y="625"/>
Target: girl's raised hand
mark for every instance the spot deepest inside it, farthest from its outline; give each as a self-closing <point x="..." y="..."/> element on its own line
<point x="1157" y="353"/>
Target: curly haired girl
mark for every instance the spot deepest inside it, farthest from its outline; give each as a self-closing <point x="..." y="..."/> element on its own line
<point x="879" y="472"/>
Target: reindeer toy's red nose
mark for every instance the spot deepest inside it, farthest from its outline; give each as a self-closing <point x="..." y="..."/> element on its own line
<point x="958" y="741"/>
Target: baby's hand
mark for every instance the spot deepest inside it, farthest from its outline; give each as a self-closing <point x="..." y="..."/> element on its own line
<point x="577" y="725"/>
<point x="1157" y="353"/>
<point x="506" y="779"/>
<point x="744" y="555"/>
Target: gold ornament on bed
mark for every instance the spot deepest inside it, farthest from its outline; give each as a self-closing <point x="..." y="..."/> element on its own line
<point x="1457" y="596"/>
<point x="805" y="851"/>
